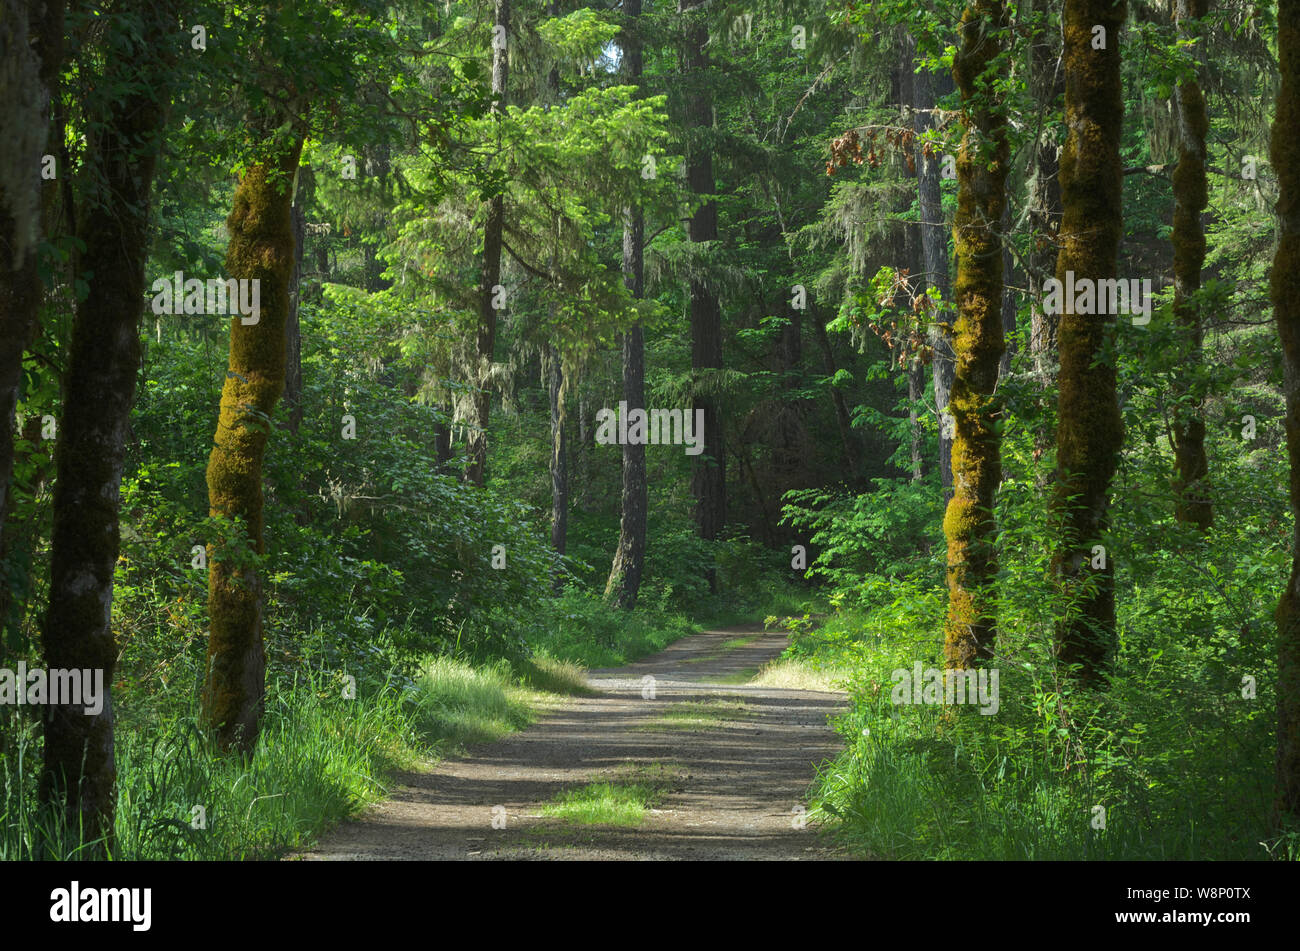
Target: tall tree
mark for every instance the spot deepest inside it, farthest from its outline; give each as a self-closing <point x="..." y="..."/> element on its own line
<point x="293" y="327"/>
<point x="1191" y="481"/>
<point x="1285" y="288"/>
<point x="27" y="81"/>
<point x="1046" y="86"/>
<point x="979" y="68"/>
<point x="926" y="88"/>
<point x="493" y="231"/>
<point x="629" y="557"/>
<point x="708" y="470"/>
<point x="1090" y="430"/>
<point x="261" y="249"/>
<point x="557" y="392"/>
<point x="124" y="141"/>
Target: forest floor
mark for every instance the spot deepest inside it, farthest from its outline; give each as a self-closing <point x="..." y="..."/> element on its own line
<point x="721" y="769"/>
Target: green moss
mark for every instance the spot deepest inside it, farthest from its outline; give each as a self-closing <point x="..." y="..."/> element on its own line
<point x="262" y="249"/>
<point x="1090" y="430"/>
<point x="978" y="341"/>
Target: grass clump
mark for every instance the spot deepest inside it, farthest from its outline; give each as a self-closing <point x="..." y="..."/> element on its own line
<point x="697" y="715"/>
<point x="621" y="801"/>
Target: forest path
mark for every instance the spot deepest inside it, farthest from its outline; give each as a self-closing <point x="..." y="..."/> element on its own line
<point x="732" y="763"/>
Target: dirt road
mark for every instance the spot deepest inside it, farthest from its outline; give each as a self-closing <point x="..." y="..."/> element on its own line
<point x="733" y="764"/>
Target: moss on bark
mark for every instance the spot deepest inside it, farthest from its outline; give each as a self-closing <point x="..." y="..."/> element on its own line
<point x="1090" y="430"/>
<point x="978" y="341"/>
<point x="261" y="249"/>
<point x="1191" y="466"/>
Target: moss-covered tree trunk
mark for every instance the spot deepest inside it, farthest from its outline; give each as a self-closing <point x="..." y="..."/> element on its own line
<point x="1191" y="466"/>
<point x="1090" y="430"/>
<point x="103" y="360"/>
<point x="261" y="249"/>
<point x="978" y="339"/>
<point x="1285" y="280"/>
<point x="493" y="230"/>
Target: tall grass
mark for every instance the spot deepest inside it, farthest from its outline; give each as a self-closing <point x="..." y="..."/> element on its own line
<point x="320" y="758"/>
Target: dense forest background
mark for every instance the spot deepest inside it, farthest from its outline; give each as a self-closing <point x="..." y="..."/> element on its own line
<point x="384" y="519"/>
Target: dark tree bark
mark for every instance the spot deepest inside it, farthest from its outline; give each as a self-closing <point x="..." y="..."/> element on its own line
<point x="492" y="235"/>
<point x="1090" y="430"/>
<point x="624" y="582"/>
<point x="22" y="536"/>
<point x="843" y="420"/>
<point x="442" y="438"/>
<point x="1285" y="281"/>
<point x="977" y="463"/>
<point x="27" y="83"/>
<point x="98" y="391"/>
<point x="1191" y="465"/>
<point x="708" y="470"/>
<point x="262" y="249"/>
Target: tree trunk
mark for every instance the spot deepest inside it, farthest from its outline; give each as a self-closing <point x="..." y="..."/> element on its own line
<point x="843" y="421"/>
<point x="261" y="249"/>
<point x="442" y="438"/>
<point x="1090" y="430"/>
<point x="99" y="388"/>
<point x="977" y="463"/>
<point x="1285" y="281"/>
<point x="1191" y="466"/>
<point x="708" y="470"/>
<point x="492" y="235"/>
<point x="1009" y="302"/>
<point x="934" y="245"/>
<point x="624" y="583"/>
<point x="915" y="391"/>
<point x="1047" y="83"/>
<point x="292" y="329"/>
<point x="27" y="83"/>
<point x="553" y="370"/>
